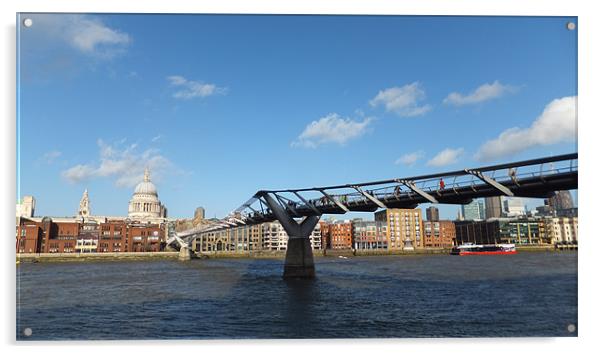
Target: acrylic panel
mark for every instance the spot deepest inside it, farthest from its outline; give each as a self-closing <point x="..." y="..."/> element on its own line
<point x="196" y="176"/>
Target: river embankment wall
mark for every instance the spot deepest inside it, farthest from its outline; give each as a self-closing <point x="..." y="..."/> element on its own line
<point x="265" y="254"/>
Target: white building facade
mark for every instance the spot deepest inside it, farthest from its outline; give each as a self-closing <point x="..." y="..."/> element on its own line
<point x="26" y="207"/>
<point x="562" y="230"/>
<point x="514" y="207"/>
<point x="275" y="237"/>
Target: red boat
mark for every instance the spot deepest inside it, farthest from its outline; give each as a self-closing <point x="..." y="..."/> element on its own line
<point x="469" y="249"/>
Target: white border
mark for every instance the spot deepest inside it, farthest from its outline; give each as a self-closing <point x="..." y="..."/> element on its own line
<point x="589" y="96"/>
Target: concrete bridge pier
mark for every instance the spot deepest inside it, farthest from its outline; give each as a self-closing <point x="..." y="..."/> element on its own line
<point x="185" y="254"/>
<point x="299" y="260"/>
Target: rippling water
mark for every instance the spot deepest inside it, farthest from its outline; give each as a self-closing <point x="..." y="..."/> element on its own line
<point x="528" y="294"/>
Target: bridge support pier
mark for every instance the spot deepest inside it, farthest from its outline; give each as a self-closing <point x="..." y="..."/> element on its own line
<point x="299" y="260"/>
<point x="185" y="254"/>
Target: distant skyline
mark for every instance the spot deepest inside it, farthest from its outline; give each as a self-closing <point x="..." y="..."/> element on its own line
<point x="220" y="106"/>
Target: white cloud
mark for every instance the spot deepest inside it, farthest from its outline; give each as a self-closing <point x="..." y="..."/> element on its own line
<point x="91" y="34"/>
<point x="402" y="100"/>
<point x="176" y="80"/>
<point x="482" y="93"/>
<point x="557" y="123"/>
<point x="156" y="138"/>
<point x="78" y="173"/>
<point x="410" y="159"/>
<point x="190" y="89"/>
<point x="51" y="156"/>
<point x="331" y="129"/>
<point x="125" y="164"/>
<point x="88" y="34"/>
<point x="446" y="157"/>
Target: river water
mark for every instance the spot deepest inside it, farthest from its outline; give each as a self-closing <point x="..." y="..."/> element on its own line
<point x="527" y="294"/>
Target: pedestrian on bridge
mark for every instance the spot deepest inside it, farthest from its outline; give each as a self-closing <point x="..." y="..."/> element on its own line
<point x="324" y="200"/>
<point x="512" y="174"/>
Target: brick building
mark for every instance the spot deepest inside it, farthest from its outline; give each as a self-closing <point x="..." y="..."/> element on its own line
<point x="73" y="235"/>
<point x="30" y="235"/>
<point x="341" y="234"/>
<point x="439" y="233"/>
<point x="325" y="234"/>
<point x="62" y="237"/>
<point x="145" y="237"/>
<point x="113" y="236"/>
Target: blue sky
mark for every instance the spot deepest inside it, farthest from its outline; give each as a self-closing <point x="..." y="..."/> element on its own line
<point x="222" y="106"/>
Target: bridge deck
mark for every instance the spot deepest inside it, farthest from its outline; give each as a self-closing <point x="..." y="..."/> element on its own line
<point x="537" y="178"/>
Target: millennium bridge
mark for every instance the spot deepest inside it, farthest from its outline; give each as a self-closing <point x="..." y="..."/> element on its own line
<point x="299" y="210"/>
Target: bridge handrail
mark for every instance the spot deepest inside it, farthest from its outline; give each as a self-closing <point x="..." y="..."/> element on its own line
<point x="524" y="163"/>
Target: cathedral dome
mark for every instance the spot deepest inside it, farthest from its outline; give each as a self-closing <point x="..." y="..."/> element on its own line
<point x="145" y="201"/>
<point x="146" y="186"/>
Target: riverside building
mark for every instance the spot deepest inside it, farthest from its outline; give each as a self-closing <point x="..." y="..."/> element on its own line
<point x="477" y="231"/>
<point x="341" y="234"/>
<point x="213" y="241"/>
<point x="276" y="238"/>
<point x="562" y="230"/>
<point x="366" y="236"/>
<point x="269" y="236"/>
<point x="520" y="231"/>
<point x="439" y="234"/>
<point x="26" y="207"/>
<point x="402" y="227"/>
<point x="68" y="235"/>
<point x="143" y="230"/>
<point x="325" y="234"/>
